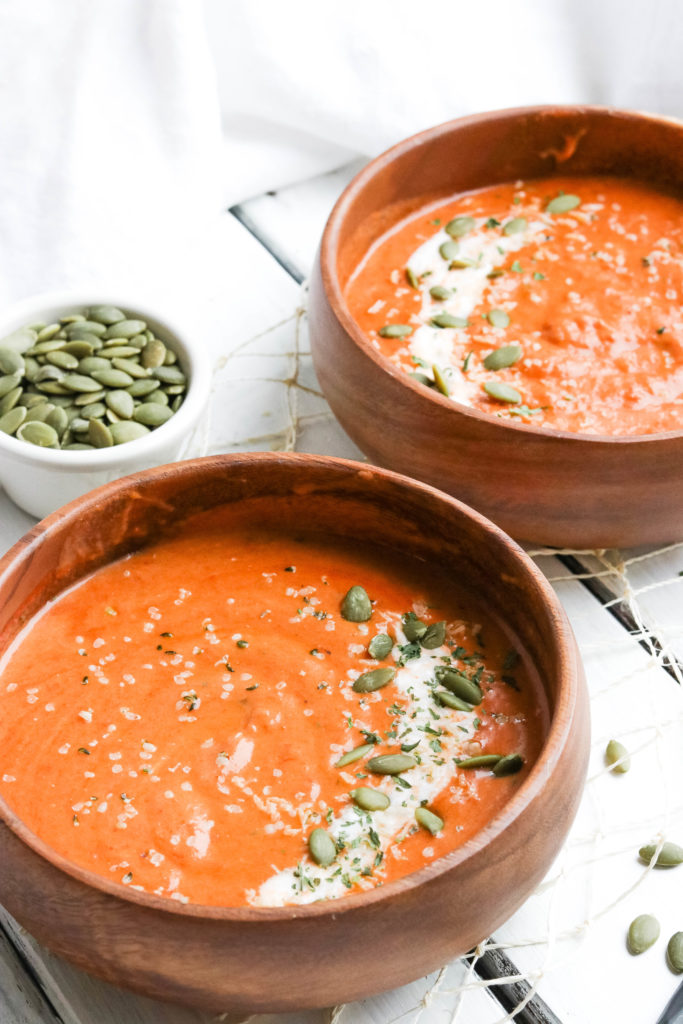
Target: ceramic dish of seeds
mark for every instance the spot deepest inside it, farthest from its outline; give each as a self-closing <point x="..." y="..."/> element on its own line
<point x="91" y="390"/>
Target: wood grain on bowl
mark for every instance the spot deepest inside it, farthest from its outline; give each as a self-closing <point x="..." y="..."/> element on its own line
<point x="251" y="959"/>
<point x="540" y="484"/>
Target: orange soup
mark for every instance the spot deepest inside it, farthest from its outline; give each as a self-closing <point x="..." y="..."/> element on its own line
<point x="232" y="716"/>
<point x="555" y="302"/>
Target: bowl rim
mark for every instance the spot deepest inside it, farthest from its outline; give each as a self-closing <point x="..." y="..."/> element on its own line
<point x="329" y="247"/>
<point x="191" y="351"/>
<point x="569" y="692"/>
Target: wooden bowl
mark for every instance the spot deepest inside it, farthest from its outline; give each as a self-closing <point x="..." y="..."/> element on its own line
<point x="254" y="959"/>
<point x="544" y="485"/>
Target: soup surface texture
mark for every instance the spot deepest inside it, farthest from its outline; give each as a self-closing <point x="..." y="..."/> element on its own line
<point x="556" y="302"/>
<point x="176" y="720"/>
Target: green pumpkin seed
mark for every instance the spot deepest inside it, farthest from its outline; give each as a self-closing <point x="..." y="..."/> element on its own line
<point x="134" y="370"/>
<point x="413" y="628"/>
<point x="76" y="328"/>
<point x="509" y="765"/>
<point x="121" y="403"/>
<point x="390" y="764"/>
<point x="79" y="425"/>
<point x="106" y="315"/>
<point x="125" y="329"/>
<point x="78" y="334"/>
<point x="434" y="636"/>
<point x="49" y="331"/>
<point x="481" y="761"/>
<point x="127" y="430"/>
<point x="448" y="320"/>
<point x="152" y="414"/>
<point x="80" y="349"/>
<point x="459" y="684"/>
<point x="449" y="250"/>
<point x="52" y="387"/>
<point x="514" y="226"/>
<point x="72" y="318"/>
<point x="13" y="419"/>
<point x="395" y="331"/>
<point x="674" y="953"/>
<point x="78" y="446"/>
<point x="169" y="375"/>
<point x="176" y="403"/>
<point x="502" y="392"/>
<point x="62" y="359"/>
<point x="140" y="388"/>
<point x="47" y="372"/>
<point x="356" y="605"/>
<point x="112" y="350"/>
<point x="31" y="368"/>
<point x="38" y="433"/>
<point x="11" y="362"/>
<point x="451" y="701"/>
<point x="643" y="932"/>
<point x="20" y="340"/>
<point x="562" y="204"/>
<point x="369" y="799"/>
<point x="506" y="355"/>
<point x="170" y="359"/>
<point x="354" y="755"/>
<point x="58" y="420"/>
<point x="47" y="346"/>
<point x="617" y="757"/>
<point x="498" y="318"/>
<point x="670" y="855"/>
<point x="29" y="399"/>
<point x="140" y="340"/>
<point x="89" y="397"/>
<point x="412" y="278"/>
<point x="80" y="383"/>
<point x="9" y="400"/>
<point x="440" y="293"/>
<point x="440" y="381"/>
<point x="99" y="434"/>
<point x="158" y="397"/>
<point x="322" y="847"/>
<point x="91" y="363"/>
<point x="94" y="410"/>
<point x="40" y="411"/>
<point x="112" y="378"/>
<point x="375" y="679"/>
<point x="380" y="646"/>
<point x="174" y="389"/>
<point x="428" y="820"/>
<point x="9" y="383"/>
<point x="460" y="226"/>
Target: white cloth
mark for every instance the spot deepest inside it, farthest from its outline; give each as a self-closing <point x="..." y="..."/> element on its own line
<point x="128" y="126"/>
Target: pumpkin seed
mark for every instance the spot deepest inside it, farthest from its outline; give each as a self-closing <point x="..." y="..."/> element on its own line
<point x="80" y="349"/>
<point x="13" y="419"/>
<point x="72" y="318"/>
<point x="115" y="350"/>
<point x="124" y="329"/>
<point x="112" y="417"/>
<point x="375" y="679"/>
<point x="514" y="226"/>
<point x="674" y="953"/>
<point x="140" y="340"/>
<point x="434" y="636"/>
<point x="440" y="381"/>
<point x="502" y="392"/>
<point x="412" y="278"/>
<point x="99" y="434"/>
<point x="112" y="378"/>
<point x="506" y="355"/>
<point x="354" y="755"/>
<point x="170" y="359"/>
<point x="390" y="764"/>
<point x="427" y="819"/>
<point x="79" y="425"/>
<point x="562" y="204"/>
<point x="80" y="383"/>
<point x="176" y="403"/>
<point x="62" y="359"/>
<point x="509" y="765"/>
<point x="369" y="799"/>
<point x="127" y="430"/>
<point x="47" y="372"/>
<point x="356" y="605"/>
<point x="413" y="628"/>
<point x="58" y="420"/>
<point x="20" y="340"/>
<point x="128" y="366"/>
<point x="91" y="326"/>
<point x="106" y="315"/>
<point x="498" y="318"/>
<point x="380" y="646"/>
<point x="78" y="446"/>
<point x="78" y="334"/>
<point x="459" y="684"/>
<point x="643" y="932"/>
<point x="152" y="414"/>
<point x="91" y="396"/>
<point x="440" y="293"/>
<point x="159" y="397"/>
<point x="175" y="389"/>
<point x="121" y="403"/>
<point x="617" y="757"/>
<point x="480" y="761"/>
<point x="448" y="320"/>
<point x="422" y="379"/>
<point x="322" y="847"/>
<point x="449" y="250"/>
<point x="9" y="383"/>
<point x="91" y="363"/>
<point x="451" y="701"/>
<point x="169" y="375"/>
<point x="395" y="331"/>
<point x="41" y="411"/>
<point x="31" y="368"/>
<point x="670" y="855"/>
<point x="94" y="410"/>
<point x="153" y="354"/>
<point x="140" y="388"/>
<point x="9" y="400"/>
<point x="52" y="387"/>
<point x="460" y="226"/>
<point x="11" y="362"/>
<point x="38" y="433"/>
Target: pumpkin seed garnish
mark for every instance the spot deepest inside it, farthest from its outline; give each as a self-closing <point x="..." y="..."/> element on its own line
<point x="369" y="799"/>
<point x="670" y="855"/>
<point x="429" y="820"/>
<point x="322" y="847"/>
<point x="354" y="755"/>
<point x="413" y="628"/>
<point x="450" y="700"/>
<point x="514" y="226"/>
<point x="391" y="764"/>
<point x="500" y="358"/>
<point x="356" y="605"/>
<point x="434" y="636"/>
<point x="448" y="320"/>
<point x="508" y="765"/>
<point x="440" y="293"/>
<point x="481" y="761"/>
<point x="617" y="757"/>
<point x="460" y="226"/>
<point x="395" y="331"/>
<point x="562" y="204"/>
<point x="380" y="646"/>
<point x="449" y="250"/>
<point x="38" y="433"/>
<point x="375" y="679"/>
<point x="502" y="392"/>
<point x="412" y="279"/>
<point x="498" y="318"/>
<point x="440" y="381"/>
<point x="674" y="953"/>
<point x="459" y="684"/>
<point x="643" y="932"/>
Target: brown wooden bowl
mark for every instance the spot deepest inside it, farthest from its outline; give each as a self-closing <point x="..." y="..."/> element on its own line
<point x="253" y="959"/>
<point x="544" y="485"/>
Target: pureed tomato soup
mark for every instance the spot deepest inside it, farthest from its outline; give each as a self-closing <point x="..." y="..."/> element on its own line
<point x="555" y="302"/>
<point x="205" y="718"/>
